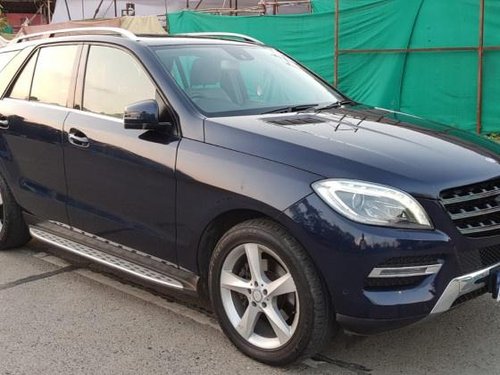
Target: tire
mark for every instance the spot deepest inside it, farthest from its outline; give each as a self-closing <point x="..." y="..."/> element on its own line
<point x="274" y="325"/>
<point x="14" y="231"/>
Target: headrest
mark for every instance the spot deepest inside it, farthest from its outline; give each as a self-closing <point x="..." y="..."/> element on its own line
<point x="205" y="71"/>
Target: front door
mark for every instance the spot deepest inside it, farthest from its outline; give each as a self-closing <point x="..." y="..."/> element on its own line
<point x="121" y="183"/>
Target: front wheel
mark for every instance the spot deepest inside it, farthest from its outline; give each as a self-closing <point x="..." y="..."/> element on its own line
<point x="267" y="294"/>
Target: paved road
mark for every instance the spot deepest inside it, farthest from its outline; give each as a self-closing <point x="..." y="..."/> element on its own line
<point x="59" y="318"/>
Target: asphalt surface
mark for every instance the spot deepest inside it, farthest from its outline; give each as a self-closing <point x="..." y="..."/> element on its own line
<point x="58" y="317"/>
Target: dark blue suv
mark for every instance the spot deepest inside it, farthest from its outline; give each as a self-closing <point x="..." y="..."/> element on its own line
<point x="225" y="169"/>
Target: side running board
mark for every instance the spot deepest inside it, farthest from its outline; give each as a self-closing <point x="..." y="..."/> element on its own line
<point x="106" y="259"/>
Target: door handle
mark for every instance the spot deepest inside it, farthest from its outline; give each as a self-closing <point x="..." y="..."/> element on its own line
<point x="78" y="139"/>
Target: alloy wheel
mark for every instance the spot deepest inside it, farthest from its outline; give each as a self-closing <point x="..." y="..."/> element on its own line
<point x="259" y="296"/>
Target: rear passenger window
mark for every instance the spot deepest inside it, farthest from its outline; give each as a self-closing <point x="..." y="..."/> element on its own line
<point x="21" y="89"/>
<point x="53" y="73"/>
<point x="114" y="80"/>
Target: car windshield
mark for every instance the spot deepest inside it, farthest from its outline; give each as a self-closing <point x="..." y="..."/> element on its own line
<point x="228" y="80"/>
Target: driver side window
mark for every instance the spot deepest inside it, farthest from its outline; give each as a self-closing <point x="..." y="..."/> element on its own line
<point x="113" y="80"/>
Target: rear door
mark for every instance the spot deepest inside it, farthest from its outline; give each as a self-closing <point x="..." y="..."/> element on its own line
<point x="32" y="114"/>
<point x="121" y="183"/>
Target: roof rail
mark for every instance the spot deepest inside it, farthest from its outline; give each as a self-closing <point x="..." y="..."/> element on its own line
<point x="221" y="35"/>
<point x="77" y="31"/>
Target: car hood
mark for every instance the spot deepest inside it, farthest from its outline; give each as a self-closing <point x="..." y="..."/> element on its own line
<point x="364" y="143"/>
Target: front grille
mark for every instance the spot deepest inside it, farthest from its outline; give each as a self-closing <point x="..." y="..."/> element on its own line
<point x="474" y="260"/>
<point x="474" y="209"/>
<point x="490" y="255"/>
<point x="470" y="261"/>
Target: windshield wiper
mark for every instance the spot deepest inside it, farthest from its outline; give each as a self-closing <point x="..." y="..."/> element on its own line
<point x="311" y="107"/>
<point x="338" y="104"/>
<point x="296" y="108"/>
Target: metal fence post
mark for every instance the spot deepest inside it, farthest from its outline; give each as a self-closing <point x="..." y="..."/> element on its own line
<point x="336" y="41"/>
<point x="480" y="62"/>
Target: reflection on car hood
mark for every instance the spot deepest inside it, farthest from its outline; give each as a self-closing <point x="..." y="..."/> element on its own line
<point x="364" y="143"/>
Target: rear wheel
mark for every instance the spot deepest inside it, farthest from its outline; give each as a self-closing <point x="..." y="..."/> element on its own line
<point x="13" y="229"/>
<point x="267" y="295"/>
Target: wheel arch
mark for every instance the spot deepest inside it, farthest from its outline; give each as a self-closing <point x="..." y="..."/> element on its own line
<point x="222" y="223"/>
<point x="213" y="232"/>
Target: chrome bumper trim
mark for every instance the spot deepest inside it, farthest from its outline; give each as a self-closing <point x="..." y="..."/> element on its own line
<point x="460" y="286"/>
<point x="383" y="272"/>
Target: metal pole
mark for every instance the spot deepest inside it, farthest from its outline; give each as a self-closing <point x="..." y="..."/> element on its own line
<point x="408" y="50"/>
<point x="336" y="41"/>
<point x="198" y="5"/>
<point x="48" y="11"/>
<point x="98" y="9"/>
<point x="67" y="9"/>
<point x="480" y="53"/>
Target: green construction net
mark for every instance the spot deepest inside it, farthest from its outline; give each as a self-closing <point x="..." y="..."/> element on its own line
<point x="374" y="64"/>
<point x="308" y="39"/>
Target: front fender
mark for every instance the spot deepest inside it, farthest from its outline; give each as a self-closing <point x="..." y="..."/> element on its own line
<point x="212" y="180"/>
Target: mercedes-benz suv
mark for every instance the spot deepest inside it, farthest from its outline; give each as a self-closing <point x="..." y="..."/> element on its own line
<point x="221" y="167"/>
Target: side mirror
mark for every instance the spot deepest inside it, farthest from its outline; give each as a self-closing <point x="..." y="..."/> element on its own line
<point x="143" y="116"/>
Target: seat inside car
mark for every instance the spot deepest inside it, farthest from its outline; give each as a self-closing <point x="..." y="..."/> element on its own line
<point x="206" y="74"/>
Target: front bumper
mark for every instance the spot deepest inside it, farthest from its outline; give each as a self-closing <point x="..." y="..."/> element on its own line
<point x="463" y="286"/>
<point x="460" y="289"/>
<point x="347" y="254"/>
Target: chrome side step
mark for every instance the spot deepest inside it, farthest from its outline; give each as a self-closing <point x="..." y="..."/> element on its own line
<point x="105" y="258"/>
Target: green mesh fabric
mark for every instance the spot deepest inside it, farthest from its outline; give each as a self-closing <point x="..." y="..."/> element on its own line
<point x="291" y="34"/>
<point x="439" y="85"/>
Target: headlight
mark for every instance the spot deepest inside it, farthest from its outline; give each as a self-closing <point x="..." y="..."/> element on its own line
<point x="373" y="204"/>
